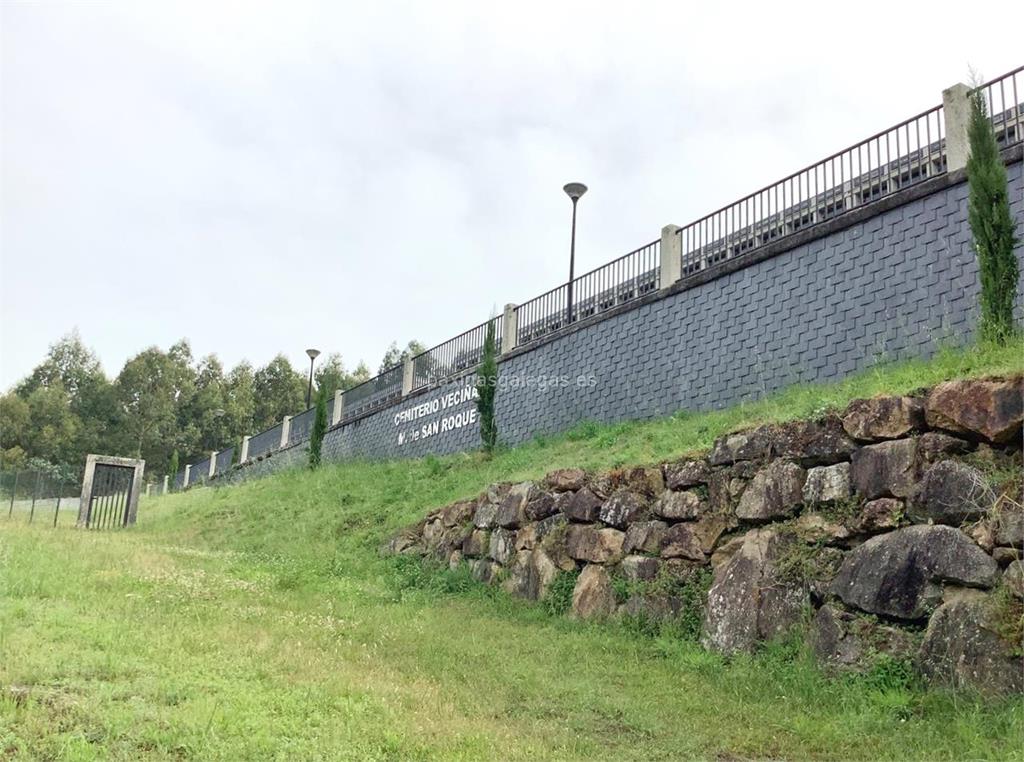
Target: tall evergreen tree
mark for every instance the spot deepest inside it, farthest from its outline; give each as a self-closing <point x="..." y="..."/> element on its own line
<point x="992" y="226"/>
<point x="316" y="436"/>
<point x="487" y="390"/>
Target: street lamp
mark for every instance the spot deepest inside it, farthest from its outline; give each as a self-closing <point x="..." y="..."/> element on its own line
<point x="573" y="191"/>
<point x="313" y="354"/>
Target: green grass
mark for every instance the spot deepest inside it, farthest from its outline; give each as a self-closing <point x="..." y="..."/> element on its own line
<point x="260" y="622"/>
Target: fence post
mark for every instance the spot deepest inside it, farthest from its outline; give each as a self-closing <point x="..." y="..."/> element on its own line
<point x="339" y="406"/>
<point x="14" y="490"/>
<point x="671" y="255"/>
<point x="509" y="329"/>
<point x="35" y="492"/>
<point x="213" y="464"/>
<point x="956" y="110"/>
<point x="148" y="485"/>
<point x="244" y="454"/>
<point x="184" y="482"/>
<point x="286" y="426"/>
<point x="167" y="480"/>
<point x="407" y="375"/>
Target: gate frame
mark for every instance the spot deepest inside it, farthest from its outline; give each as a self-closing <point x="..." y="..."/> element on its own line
<point x="91" y="461"/>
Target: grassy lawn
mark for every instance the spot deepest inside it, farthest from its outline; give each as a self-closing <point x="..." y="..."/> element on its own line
<point x="260" y="621"/>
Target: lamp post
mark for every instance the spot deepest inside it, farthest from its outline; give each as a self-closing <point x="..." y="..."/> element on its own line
<point x="313" y="354"/>
<point x="573" y="191"/>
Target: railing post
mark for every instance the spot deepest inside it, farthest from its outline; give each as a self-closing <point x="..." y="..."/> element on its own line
<point x="339" y="407"/>
<point x="407" y="375"/>
<point x="167" y="481"/>
<point x="510" y="329"/>
<point x="148" y="485"/>
<point x="213" y="464"/>
<point x="244" y="454"/>
<point x="184" y="482"/>
<point x="956" y="110"/>
<point x="671" y="255"/>
<point x="286" y="425"/>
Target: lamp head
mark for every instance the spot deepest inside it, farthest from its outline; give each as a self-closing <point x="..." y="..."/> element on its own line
<point x="313" y="353"/>
<point x="575" y="190"/>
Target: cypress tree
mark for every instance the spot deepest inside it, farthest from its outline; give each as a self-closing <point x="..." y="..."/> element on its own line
<point x="487" y="389"/>
<point x="316" y="436"/>
<point x="173" y="468"/>
<point x="992" y="227"/>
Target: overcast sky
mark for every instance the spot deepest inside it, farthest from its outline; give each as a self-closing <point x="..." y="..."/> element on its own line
<point x="266" y="177"/>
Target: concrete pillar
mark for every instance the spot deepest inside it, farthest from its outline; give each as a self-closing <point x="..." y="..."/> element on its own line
<point x="286" y="426"/>
<point x="510" y="329"/>
<point x="213" y="465"/>
<point x="244" y="454"/>
<point x="148" y="485"/>
<point x="671" y="255"/>
<point x="407" y="375"/>
<point x="184" y="482"/>
<point x="339" y="407"/>
<point x="167" y="482"/>
<point x="956" y="110"/>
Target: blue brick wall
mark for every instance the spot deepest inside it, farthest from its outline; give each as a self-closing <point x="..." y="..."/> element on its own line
<point x="895" y="286"/>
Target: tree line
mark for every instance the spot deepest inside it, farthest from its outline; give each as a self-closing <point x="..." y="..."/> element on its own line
<point x="162" y="403"/>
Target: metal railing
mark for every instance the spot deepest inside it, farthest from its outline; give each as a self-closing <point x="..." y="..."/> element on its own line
<point x="454" y="356"/>
<point x="34" y="495"/>
<point x="909" y="153"/>
<point x="265" y="441"/>
<point x="1002" y="97"/>
<point x="622" y="280"/>
<point x="301" y="425"/>
<point x="896" y="158"/>
<point x="178" y="482"/>
<point x="375" y="393"/>
<point x="224" y="458"/>
<point x="199" y="472"/>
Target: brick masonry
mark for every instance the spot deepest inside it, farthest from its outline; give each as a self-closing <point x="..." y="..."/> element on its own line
<point x="894" y="286"/>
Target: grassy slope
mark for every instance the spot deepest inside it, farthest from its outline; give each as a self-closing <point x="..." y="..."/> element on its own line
<point x="259" y="621"/>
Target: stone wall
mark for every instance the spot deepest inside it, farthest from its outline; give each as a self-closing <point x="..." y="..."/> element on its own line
<point x="892" y="529"/>
<point x="889" y="286"/>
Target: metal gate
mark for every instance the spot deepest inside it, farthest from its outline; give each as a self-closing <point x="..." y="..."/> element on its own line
<point x="111" y="497"/>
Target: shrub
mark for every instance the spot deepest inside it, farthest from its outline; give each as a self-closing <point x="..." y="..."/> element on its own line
<point x="992" y="226"/>
<point x="558" y="599"/>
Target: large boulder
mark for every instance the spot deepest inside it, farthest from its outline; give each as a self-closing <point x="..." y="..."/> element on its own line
<point x="583" y="506"/>
<point x="503" y="545"/>
<point x="883" y="418"/>
<point x="887" y="469"/>
<point x="747" y="603"/>
<point x="593" y="596"/>
<point x="530" y="574"/>
<point x="640" y="568"/>
<point x="900" y="574"/>
<point x="680" y="541"/>
<point x="951" y="493"/>
<point x="988" y="409"/>
<point x="743" y="445"/>
<point x="933" y="446"/>
<point x="724" y="489"/>
<point x="844" y="641"/>
<point x="540" y="507"/>
<point x="686" y="473"/>
<point x="512" y="509"/>
<point x="708" y="529"/>
<point x="477" y="543"/>
<point x="827" y="484"/>
<point x="622" y="508"/>
<point x="774" y="493"/>
<point x="812" y="443"/>
<point x="458" y="514"/>
<point x="597" y="546"/>
<point x="879" y="515"/>
<point x="962" y="648"/>
<point x="565" y="480"/>
<point x="1010" y="524"/>
<point x="678" y="506"/>
<point x="486" y="515"/>
<point x="644" y="536"/>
